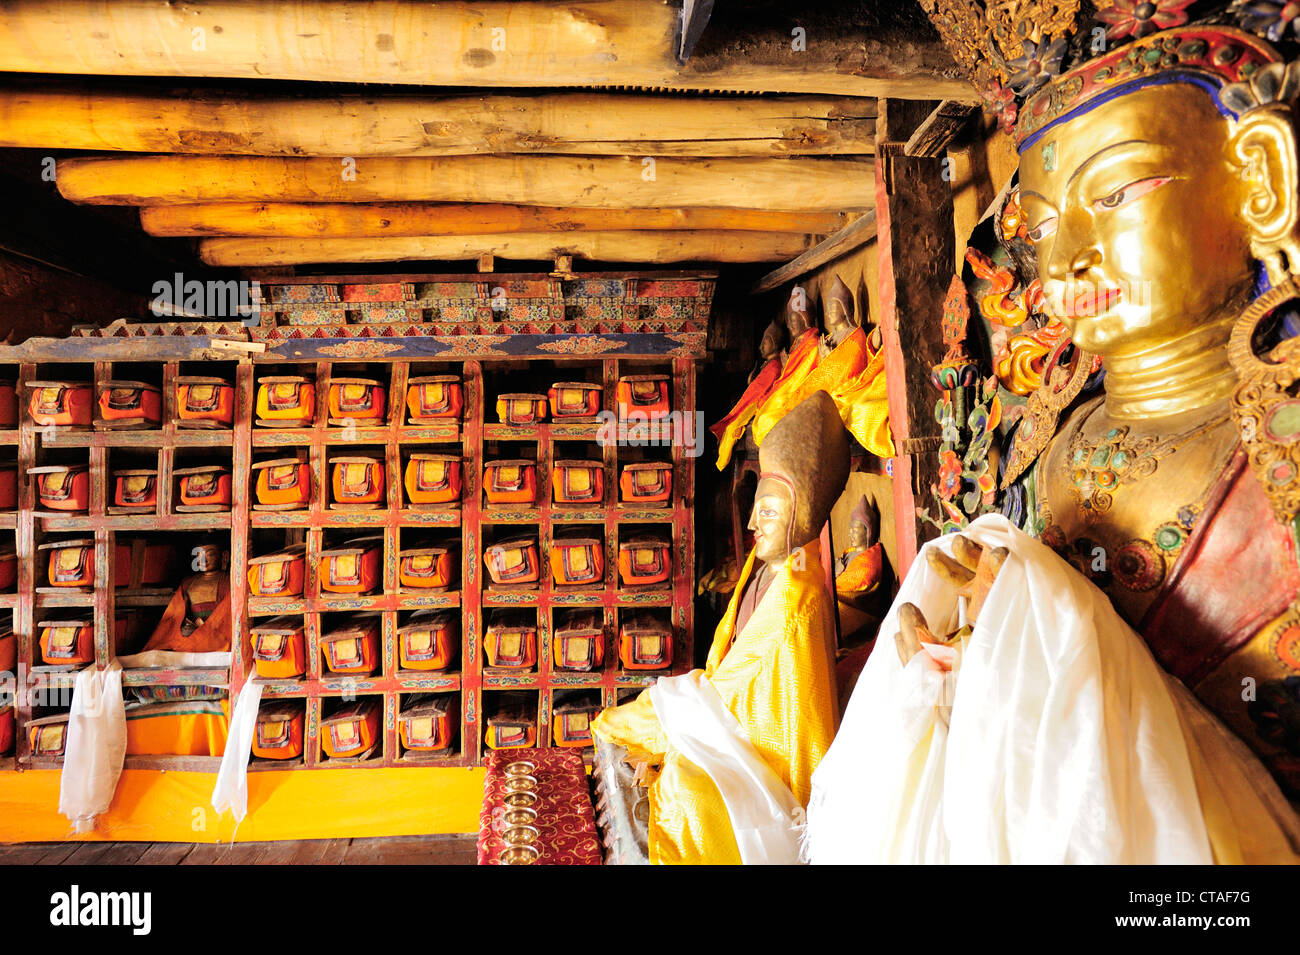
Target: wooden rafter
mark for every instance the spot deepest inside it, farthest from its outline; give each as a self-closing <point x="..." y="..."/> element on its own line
<point x="134" y="118"/>
<point x="647" y="247"/>
<point x="339" y="220"/>
<point x="792" y="185"/>
<point x="855" y="235"/>
<point x="937" y="130"/>
<point x="498" y="44"/>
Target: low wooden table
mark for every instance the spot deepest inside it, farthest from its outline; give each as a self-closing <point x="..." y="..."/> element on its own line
<point x="566" y="822"/>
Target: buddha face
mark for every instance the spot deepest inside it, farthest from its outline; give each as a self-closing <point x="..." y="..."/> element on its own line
<point x="770" y="521"/>
<point x="770" y="346"/>
<point x="1138" y="211"/>
<point x="207" y="558"/>
<point x="837" y="319"/>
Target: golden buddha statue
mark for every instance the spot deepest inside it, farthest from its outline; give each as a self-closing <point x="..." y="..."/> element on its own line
<point x="1158" y="182"/>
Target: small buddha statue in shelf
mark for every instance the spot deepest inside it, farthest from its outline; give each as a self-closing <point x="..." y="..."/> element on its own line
<point x="197" y="618"/>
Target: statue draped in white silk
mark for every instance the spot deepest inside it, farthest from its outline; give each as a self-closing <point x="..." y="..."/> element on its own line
<point x="1065" y="741"/>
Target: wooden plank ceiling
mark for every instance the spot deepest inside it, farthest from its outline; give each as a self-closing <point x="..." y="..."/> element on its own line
<point x="521" y="130"/>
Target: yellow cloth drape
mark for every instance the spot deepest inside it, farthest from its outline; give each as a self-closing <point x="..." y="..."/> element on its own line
<point x="777" y="679"/>
<point x="801" y="363"/>
<point x="862" y="575"/>
<point x="854" y="376"/>
<point x="863" y="405"/>
<point x="183" y="728"/>
<point x="731" y="429"/>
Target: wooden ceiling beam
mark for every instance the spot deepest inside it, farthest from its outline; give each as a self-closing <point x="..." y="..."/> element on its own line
<point x="651" y="248"/>
<point x="341" y="220"/>
<point x="790" y="185"/>
<point x="944" y="124"/>
<point x="498" y="44"/>
<point x="851" y="237"/>
<point x="130" y="118"/>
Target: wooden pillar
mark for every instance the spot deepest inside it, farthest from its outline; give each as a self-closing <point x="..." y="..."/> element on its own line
<point x="916" y="246"/>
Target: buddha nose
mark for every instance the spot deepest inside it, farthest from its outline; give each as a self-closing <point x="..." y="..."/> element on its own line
<point x="1072" y="264"/>
<point x="1085" y="260"/>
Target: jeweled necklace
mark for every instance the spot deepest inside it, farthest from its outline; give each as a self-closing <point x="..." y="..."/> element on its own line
<point x="1098" y="469"/>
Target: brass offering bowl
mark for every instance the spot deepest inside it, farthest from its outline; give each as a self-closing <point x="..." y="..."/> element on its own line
<point x="521" y="798"/>
<point x="520" y="855"/>
<point x="521" y="835"/>
<point x="517" y="783"/>
<point x="520" y="767"/>
<point x="522" y="816"/>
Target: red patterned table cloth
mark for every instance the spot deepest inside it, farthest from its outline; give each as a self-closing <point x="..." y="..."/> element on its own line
<point x="566" y="821"/>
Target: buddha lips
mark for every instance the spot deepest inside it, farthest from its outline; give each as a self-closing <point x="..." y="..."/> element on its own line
<point x="1091" y="302"/>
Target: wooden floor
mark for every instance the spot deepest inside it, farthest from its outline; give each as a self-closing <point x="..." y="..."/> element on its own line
<point x="397" y="850"/>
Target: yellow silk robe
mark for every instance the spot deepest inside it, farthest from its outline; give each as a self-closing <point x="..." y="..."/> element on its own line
<point x="801" y="362"/>
<point x="777" y="679"/>
<point x="854" y="376"/>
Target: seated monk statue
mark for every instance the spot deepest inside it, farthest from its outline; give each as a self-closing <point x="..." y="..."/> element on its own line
<point x="761" y="382"/>
<point x="862" y="577"/>
<point x="850" y="367"/>
<point x="839" y="311"/>
<point x="197" y="618"/>
<point x="801" y="361"/>
<point x="729" y="750"/>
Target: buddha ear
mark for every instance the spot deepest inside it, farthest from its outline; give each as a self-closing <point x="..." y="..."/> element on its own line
<point x="1264" y="149"/>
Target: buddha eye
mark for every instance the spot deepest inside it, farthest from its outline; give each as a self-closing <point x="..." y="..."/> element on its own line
<point x="1041" y="231"/>
<point x="1126" y="194"/>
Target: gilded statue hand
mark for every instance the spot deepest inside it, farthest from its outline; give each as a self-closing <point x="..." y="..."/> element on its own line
<point x="972" y="573"/>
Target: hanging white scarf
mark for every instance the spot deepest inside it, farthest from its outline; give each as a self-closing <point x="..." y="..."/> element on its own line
<point x="231" y="790"/>
<point x="765" y="816"/>
<point x="95" y="746"/>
